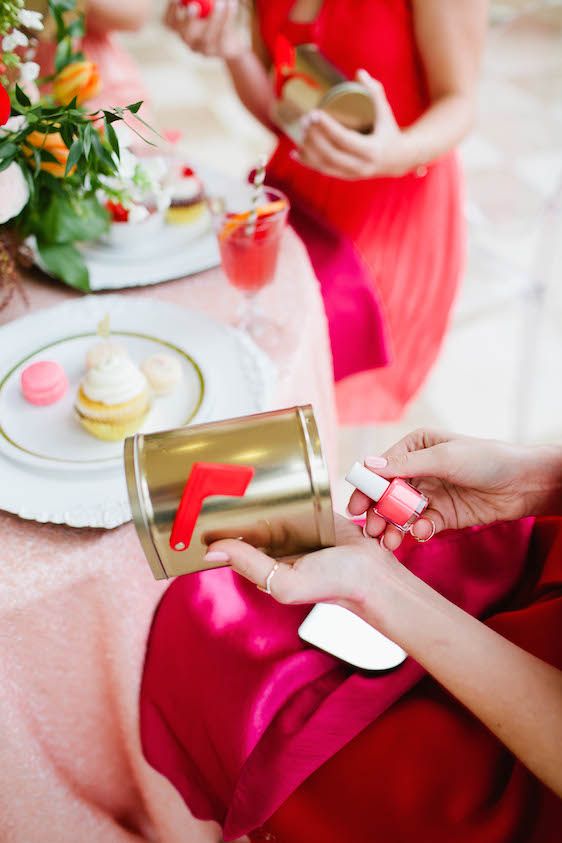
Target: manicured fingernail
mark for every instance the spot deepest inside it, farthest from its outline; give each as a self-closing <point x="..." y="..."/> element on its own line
<point x="376" y="462"/>
<point x="314" y="116"/>
<point x="193" y="9"/>
<point x="218" y="556"/>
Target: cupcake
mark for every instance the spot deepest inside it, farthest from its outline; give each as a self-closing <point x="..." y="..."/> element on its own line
<point x="113" y="399"/>
<point x="163" y="373"/>
<point x="187" y="204"/>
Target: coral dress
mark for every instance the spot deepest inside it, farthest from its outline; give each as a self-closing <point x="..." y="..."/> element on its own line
<point x="408" y="231"/>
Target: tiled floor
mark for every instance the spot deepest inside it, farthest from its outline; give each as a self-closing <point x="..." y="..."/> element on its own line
<point x="500" y="372"/>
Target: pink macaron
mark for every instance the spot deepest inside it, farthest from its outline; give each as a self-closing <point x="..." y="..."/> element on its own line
<point x="43" y="383"/>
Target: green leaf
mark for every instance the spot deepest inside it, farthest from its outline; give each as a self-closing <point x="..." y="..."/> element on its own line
<point x="7" y="150"/>
<point x="63" y="54"/>
<point x="89" y="131"/>
<point x="70" y="218"/>
<point x="74" y="154"/>
<point x="67" y="135"/>
<point x="134" y="107"/>
<point x="113" y="139"/>
<point x="22" y="97"/>
<point x="65" y="262"/>
<point x="110" y="117"/>
<point x="76" y="29"/>
<point x="62" y="5"/>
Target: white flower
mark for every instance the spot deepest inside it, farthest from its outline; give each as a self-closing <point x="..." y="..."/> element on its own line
<point x="127" y="165"/>
<point x="29" y="71"/>
<point x="31" y="20"/>
<point x="138" y="213"/>
<point x="13" y="124"/>
<point x="14" y="192"/>
<point x="13" y="40"/>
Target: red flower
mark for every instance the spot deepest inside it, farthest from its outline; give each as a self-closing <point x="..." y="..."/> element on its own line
<point x="5" y="106"/>
<point x="117" y="211"/>
<point x="187" y="172"/>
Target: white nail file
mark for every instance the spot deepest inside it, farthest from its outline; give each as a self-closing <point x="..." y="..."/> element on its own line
<point x="342" y="634"/>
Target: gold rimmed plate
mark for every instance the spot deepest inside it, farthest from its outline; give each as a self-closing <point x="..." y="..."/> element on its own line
<point x="50" y="437"/>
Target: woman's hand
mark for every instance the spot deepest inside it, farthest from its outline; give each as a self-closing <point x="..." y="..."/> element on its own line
<point x="468" y="481"/>
<point x="355" y="570"/>
<point x="213" y="35"/>
<point x="332" y="149"/>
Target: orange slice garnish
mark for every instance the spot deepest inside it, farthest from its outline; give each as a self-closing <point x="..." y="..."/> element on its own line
<point x="235" y="220"/>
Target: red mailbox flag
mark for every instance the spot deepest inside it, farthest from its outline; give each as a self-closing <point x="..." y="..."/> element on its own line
<point x="206" y="479"/>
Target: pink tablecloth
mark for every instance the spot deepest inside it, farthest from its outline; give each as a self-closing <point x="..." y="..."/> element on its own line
<point x="75" y="609"/>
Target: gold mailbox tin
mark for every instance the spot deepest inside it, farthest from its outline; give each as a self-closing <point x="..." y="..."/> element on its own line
<point x="287" y="508"/>
<point x="315" y="83"/>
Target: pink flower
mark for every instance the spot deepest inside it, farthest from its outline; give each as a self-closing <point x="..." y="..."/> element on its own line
<point x="14" y="192"/>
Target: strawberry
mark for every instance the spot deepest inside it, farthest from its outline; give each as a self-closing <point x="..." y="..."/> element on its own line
<point x="118" y="212"/>
<point x="205" y="6"/>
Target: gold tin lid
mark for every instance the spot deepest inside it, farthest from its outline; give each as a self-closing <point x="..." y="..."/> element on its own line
<point x="352" y="105"/>
<point x="141" y="507"/>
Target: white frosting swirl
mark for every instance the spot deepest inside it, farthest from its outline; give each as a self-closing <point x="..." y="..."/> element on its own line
<point x="113" y="381"/>
<point x="188" y="188"/>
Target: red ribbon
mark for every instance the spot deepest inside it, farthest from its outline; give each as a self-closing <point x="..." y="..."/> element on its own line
<point x="285" y="62"/>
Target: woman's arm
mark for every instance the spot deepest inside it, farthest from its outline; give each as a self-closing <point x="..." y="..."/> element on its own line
<point x="116" y="15"/>
<point x="516" y="695"/>
<point x="450" y="38"/>
<point x="250" y="78"/>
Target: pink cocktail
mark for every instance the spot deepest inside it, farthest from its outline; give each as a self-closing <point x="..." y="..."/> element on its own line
<point x="249" y="244"/>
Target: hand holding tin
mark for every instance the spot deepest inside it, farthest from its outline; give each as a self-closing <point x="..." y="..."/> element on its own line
<point x="340" y="152"/>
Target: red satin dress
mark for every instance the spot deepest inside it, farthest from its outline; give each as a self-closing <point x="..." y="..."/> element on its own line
<point x="408" y="231"/>
<point x="427" y="771"/>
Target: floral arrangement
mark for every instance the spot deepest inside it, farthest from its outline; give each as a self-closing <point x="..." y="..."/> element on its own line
<point x="57" y="160"/>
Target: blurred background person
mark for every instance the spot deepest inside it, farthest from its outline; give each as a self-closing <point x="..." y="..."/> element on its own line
<point x="395" y="195"/>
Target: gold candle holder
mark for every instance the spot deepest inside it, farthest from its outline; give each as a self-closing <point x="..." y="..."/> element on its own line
<point x="286" y="510"/>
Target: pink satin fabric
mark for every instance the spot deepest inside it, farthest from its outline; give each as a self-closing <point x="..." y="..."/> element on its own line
<point x="236" y="711"/>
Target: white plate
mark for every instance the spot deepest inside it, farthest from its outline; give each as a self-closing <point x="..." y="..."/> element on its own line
<point x="50" y="468"/>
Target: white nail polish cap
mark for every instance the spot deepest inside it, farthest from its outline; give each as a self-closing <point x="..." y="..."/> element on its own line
<point x="371" y="484"/>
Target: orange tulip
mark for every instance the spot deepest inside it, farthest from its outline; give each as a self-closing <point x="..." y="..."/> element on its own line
<point x="55" y="145"/>
<point x="80" y="79"/>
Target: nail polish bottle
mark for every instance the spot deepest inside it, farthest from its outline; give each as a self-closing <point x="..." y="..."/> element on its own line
<point x="395" y="500"/>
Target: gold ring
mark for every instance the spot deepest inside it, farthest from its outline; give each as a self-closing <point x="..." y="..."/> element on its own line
<point x="433" y="529"/>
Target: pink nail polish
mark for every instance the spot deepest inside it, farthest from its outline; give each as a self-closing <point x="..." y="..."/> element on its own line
<point x="396" y="501"/>
<point x="218" y="556"/>
<point x="376" y="462"/>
